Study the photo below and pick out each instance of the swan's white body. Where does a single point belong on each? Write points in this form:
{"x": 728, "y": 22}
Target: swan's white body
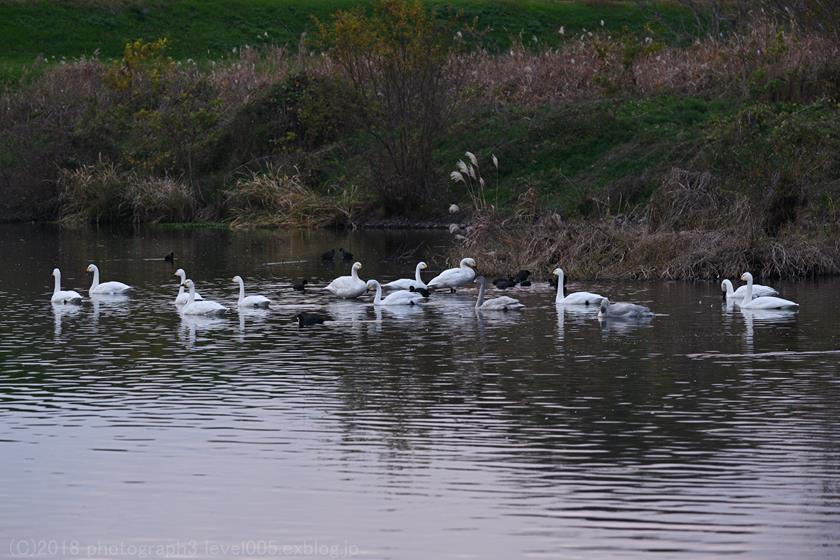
{"x": 401, "y": 297}
{"x": 455, "y": 277}
{"x": 501, "y": 303}
{"x": 183, "y": 297}
{"x": 407, "y": 283}
{"x": 622, "y": 310}
{"x": 250, "y": 301}
{"x": 741, "y": 292}
{"x": 105, "y": 287}
{"x": 203, "y": 307}
{"x": 763, "y": 302}
{"x": 575, "y": 298}
{"x": 348, "y": 287}
{"x": 63, "y": 296}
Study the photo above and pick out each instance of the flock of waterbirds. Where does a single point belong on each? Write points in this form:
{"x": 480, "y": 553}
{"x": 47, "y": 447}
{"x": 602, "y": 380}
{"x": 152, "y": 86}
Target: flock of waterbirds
{"x": 415, "y": 291}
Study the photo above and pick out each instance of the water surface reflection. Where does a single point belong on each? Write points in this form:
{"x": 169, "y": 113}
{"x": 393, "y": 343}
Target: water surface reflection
{"x": 430, "y": 432}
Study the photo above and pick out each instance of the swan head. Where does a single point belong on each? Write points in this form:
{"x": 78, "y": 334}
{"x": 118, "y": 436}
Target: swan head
{"x": 557, "y": 271}
{"x": 468, "y": 262}
{"x": 357, "y": 265}
{"x": 188, "y": 283}
{"x": 422, "y": 266}
{"x": 180, "y": 272}
{"x": 605, "y": 305}
{"x": 726, "y": 285}
{"x": 371, "y": 284}
{"x": 236, "y": 279}
{"x": 746, "y": 277}
{"x": 56, "y": 272}
{"x": 91, "y": 268}
{"x": 481, "y": 280}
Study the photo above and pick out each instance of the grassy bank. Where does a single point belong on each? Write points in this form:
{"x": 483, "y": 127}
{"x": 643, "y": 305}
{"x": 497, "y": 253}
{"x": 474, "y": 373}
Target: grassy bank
{"x": 206, "y": 30}
{"x": 620, "y": 152}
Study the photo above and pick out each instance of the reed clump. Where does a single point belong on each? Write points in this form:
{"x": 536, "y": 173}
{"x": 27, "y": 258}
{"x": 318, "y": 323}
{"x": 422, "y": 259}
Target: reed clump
{"x": 104, "y": 194}
{"x": 275, "y": 197}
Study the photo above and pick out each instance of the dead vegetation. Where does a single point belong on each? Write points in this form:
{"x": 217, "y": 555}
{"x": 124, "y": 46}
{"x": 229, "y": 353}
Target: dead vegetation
{"x": 690, "y": 231}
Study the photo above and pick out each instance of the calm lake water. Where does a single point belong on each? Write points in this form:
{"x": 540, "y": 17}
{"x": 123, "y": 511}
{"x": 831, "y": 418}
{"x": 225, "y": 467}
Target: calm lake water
{"x": 424, "y": 433}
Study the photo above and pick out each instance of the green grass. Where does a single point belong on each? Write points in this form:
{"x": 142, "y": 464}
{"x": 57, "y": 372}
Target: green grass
{"x": 203, "y": 29}
{"x": 574, "y": 152}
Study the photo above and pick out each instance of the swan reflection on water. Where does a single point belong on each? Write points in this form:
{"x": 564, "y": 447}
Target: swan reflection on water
{"x": 626, "y": 325}
{"x": 253, "y": 315}
{"x": 576, "y": 314}
{"x": 348, "y": 311}
{"x": 61, "y": 312}
{"x": 191, "y": 324}
{"x": 402, "y": 311}
{"x": 774, "y": 317}
{"x": 112, "y": 304}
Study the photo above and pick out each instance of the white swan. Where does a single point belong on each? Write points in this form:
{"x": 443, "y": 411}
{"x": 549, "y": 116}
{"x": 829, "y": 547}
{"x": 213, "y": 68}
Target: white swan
{"x": 455, "y": 277}
{"x": 183, "y": 297}
{"x": 407, "y": 283}
{"x": 758, "y": 291}
{"x": 63, "y": 296}
{"x": 348, "y": 287}
{"x": 203, "y": 307}
{"x": 249, "y": 301}
{"x": 763, "y": 302}
{"x": 575, "y": 298}
{"x": 501, "y": 303}
{"x": 105, "y": 287}
{"x": 622, "y": 310}
{"x": 401, "y": 297}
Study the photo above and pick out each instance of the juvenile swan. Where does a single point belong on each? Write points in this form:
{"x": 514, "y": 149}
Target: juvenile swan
{"x": 763, "y": 302}
{"x": 758, "y": 291}
{"x": 63, "y": 296}
{"x": 576, "y": 298}
{"x": 406, "y": 283}
{"x": 455, "y": 277}
{"x": 183, "y": 297}
{"x": 105, "y": 287}
{"x": 401, "y": 297}
{"x": 249, "y": 301}
{"x": 348, "y": 287}
{"x": 622, "y": 310}
{"x": 203, "y": 307}
{"x": 501, "y": 303}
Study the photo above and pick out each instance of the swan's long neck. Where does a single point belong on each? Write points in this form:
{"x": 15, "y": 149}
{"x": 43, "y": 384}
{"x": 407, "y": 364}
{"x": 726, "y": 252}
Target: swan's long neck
{"x": 192, "y": 293}
{"x": 480, "y": 299}
{"x": 417, "y": 275}
{"x": 241, "y": 290}
{"x": 354, "y": 273}
{"x": 183, "y": 277}
{"x": 561, "y": 292}
{"x": 57, "y": 285}
{"x": 95, "y": 282}
{"x": 748, "y": 296}
{"x": 377, "y": 299}
{"x": 727, "y": 286}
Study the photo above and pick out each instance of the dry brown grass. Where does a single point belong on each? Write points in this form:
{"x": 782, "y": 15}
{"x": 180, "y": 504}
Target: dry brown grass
{"x": 278, "y": 198}
{"x": 765, "y": 62}
{"x": 104, "y": 193}
{"x": 691, "y": 231}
